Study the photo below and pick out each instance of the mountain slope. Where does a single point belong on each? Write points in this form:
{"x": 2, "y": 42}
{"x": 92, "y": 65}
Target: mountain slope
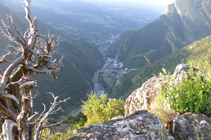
{"x": 197, "y": 53}
{"x": 182, "y": 23}
{"x": 75, "y": 79}
{"x": 4, "y": 11}
{"x": 82, "y": 20}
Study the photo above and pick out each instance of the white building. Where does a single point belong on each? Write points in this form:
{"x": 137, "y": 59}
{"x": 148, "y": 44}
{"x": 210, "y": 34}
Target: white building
{"x": 115, "y": 63}
{"x": 121, "y": 64}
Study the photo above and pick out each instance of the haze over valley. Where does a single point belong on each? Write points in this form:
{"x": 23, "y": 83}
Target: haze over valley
{"x": 118, "y": 69}
{"x": 109, "y": 44}
{"x": 98, "y": 23}
{"x": 86, "y": 30}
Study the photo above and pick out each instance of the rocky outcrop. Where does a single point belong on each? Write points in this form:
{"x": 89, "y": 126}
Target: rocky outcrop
{"x": 191, "y": 126}
{"x": 141, "y": 125}
{"x": 141, "y": 98}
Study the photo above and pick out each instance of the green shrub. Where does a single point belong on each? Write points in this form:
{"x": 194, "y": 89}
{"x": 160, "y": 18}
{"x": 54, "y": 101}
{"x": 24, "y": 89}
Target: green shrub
{"x": 191, "y": 94}
{"x": 78, "y": 118}
{"x": 62, "y": 136}
{"x": 98, "y": 110}
{"x": 52, "y": 120}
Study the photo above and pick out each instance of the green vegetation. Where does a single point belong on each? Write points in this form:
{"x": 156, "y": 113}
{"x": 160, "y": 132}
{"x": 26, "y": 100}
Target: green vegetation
{"x": 98, "y": 110}
{"x": 107, "y": 78}
{"x": 58, "y": 136}
{"x": 4, "y": 11}
{"x": 95, "y": 110}
{"x": 169, "y": 33}
{"x": 192, "y": 94}
{"x": 132, "y": 45}
{"x": 159, "y": 109}
{"x": 79, "y": 118}
{"x": 197, "y": 53}
{"x": 80, "y": 63}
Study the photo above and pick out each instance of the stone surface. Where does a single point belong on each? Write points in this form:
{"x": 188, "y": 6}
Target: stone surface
{"x": 141, "y": 98}
{"x": 191, "y": 126}
{"x": 142, "y": 125}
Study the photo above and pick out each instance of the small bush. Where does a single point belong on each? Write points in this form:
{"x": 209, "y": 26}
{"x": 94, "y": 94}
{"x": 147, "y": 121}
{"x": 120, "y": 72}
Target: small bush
{"x": 98, "y": 110}
{"x": 62, "y": 136}
{"x": 192, "y": 93}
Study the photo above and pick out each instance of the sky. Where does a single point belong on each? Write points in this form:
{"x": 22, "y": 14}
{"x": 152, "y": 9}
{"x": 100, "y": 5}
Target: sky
{"x": 163, "y": 2}
{"x": 166, "y": 2}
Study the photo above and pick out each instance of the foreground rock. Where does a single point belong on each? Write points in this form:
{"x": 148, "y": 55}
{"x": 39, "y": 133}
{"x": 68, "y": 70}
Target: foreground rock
{"x": 141, "y": 98}
{"x": 191, "y": 126}
{"x": 141, "y": 125}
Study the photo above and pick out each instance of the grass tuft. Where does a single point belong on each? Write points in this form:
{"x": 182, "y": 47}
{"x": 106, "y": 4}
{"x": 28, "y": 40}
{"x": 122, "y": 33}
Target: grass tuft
{"x": 159, "y": 108}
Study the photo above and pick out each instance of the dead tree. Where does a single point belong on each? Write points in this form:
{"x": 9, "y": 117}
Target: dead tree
{"x": 32, "y": 56}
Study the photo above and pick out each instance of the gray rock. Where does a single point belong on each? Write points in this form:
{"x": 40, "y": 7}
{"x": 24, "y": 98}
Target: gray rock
{"x": 191, "y": 126}
{"x": 141, "y": 125}
{"x": 141, "y": 98}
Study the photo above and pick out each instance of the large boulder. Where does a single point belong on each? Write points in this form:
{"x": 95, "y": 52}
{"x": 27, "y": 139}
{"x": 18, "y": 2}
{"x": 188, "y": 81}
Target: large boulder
{"x": 191, "y": 126}
{"x": 142, "y": 125}
{"x": 141, "y": 98}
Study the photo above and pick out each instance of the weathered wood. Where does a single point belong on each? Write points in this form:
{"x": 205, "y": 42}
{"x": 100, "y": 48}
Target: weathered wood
{"x": 8, "y": 128}
{"x": 16, "y": 99}
{"x": 40, "y": 126}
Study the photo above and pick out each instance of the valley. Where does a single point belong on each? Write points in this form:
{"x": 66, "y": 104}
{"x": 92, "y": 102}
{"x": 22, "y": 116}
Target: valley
{"x": 108, "y": 48}
{"x": 122, "y": 63}
{"x": 86, "y": 33}
{"x": 105, "y": 78}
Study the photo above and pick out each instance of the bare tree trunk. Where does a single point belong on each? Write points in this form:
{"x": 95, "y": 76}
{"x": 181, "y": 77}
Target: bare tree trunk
{"x": 8, "y": 128}
{"x": 16, "y": 100}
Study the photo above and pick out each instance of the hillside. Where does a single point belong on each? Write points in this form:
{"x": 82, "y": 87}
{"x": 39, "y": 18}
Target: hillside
{"x": 4, "y": 11}
{"x": 198, "y": 52}
{"x": 75, "y": 79}
{"x": 81, "y": 20}
{"x": 181, "y": 24}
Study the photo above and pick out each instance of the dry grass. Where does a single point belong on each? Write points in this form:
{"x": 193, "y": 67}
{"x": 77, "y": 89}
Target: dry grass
{"x": 160, "y": 109}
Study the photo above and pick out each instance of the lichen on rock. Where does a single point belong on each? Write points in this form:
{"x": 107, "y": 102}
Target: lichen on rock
{"x": 141, "y": 125}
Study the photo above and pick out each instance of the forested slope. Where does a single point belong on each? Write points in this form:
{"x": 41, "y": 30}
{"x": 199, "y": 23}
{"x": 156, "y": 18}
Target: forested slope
{"x": 181, "y": 24}
{"x": 80, "y": 63}
{"x": 197, "y": 53}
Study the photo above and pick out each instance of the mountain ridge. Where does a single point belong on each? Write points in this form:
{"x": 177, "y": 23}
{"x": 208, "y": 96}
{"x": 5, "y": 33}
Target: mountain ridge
{"x": 197, "y": 53}
{"x": 162, "y": 43}
{"x": 173, "y": 30}
{"x": 75, "y": 79}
